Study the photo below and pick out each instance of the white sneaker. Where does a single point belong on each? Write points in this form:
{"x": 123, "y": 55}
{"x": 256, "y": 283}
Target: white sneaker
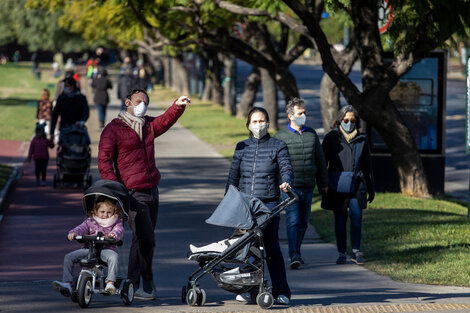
{"x": 244, "y": 297}
{"x": 283, "y": 300}
{"x": 64, "y": 288}
{"x": 110, "y": 289}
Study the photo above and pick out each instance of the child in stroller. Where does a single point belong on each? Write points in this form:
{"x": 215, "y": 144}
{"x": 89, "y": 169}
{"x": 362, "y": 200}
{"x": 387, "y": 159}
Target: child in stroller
{"x": 104, "y": 203}
{"x": 236, "y": 263}
{"x": 73, "y": 157}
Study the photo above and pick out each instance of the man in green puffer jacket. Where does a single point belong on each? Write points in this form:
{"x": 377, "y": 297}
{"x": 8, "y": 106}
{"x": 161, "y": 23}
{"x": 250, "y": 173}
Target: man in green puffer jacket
{"x": 309, "y": 165}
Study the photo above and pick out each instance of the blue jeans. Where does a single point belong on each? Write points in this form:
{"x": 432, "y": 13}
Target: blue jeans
{"x": 297, "y": 219}
{"x": 341, "y": 218}
{"x": 101, "y": 113}
{"x": 274, "y": 258}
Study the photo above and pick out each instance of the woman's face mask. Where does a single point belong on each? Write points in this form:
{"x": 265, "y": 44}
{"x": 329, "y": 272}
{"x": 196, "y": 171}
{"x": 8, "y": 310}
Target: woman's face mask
{"x": 259, "y": 130}
{"x": 140, "y": 109}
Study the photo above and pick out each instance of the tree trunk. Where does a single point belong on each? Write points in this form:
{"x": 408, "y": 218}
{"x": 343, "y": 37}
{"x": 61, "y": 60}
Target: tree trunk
{"x": 228, "y": 84}
{"x": 167, "y": 71}
{"x": 206, "y": 94}
{"x": 286, "y": 82}
{"x": 270, "y": 98}
{"x": 382, "y": 114}
{"x": 249, "y": 93}
{"x": 215, "y": 73}
{"x": 181, "y": 75}
{"x": 329, "y": 92}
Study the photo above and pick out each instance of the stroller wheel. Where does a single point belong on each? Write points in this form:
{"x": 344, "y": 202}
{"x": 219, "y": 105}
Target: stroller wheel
{"x": 127, "y": 292}
{"x": 191, "y": 297}
{"x": 201, "y": 298}
{"x": 183, "y": 294}
{"x": 265, "y": 300}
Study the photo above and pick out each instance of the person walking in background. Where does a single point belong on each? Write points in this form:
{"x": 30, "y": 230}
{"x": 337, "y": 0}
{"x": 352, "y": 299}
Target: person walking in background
{"x": 127, "y": 155}
{"x": 39, "y": 151}
{"x": 259, "y": 163}
{"x": 126, "y": 83}
{"x": 101, "y": 84}
{"x": 308, "y": 162}
{"x": 346, "y": 149}
{"x": 72, "y": 107}
{"x": 44, "y": 111}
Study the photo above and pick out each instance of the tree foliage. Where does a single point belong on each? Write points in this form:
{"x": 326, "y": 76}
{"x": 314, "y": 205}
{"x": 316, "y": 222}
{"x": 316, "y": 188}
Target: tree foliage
{"x": 37, "y": 28}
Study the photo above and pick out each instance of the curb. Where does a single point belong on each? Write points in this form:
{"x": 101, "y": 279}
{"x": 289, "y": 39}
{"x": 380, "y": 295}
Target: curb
{"x": 14, "y": 176}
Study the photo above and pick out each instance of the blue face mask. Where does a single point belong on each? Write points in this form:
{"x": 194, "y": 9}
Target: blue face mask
{"x": 348, "y": 127}
{"x": 300, "y": 121}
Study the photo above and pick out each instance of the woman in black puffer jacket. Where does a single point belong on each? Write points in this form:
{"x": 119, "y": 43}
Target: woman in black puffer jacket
{"x": 259, "y": 164}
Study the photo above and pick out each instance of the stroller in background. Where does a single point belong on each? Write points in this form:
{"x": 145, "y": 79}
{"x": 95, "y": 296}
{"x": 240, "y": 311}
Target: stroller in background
{"x": 91, "y": 279}
{"x": 73, "y": 158}
{"x": 240, "y": 267}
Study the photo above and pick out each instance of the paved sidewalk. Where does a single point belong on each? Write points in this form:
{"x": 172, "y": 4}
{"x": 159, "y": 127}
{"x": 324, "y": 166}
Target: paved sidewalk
{"x": 192, "y": 185}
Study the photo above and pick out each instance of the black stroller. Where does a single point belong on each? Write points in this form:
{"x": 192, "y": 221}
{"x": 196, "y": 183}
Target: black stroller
{"x": 91, "y": 279}
{"x": 73, "y": 158}
{"x": 240, "y": 267}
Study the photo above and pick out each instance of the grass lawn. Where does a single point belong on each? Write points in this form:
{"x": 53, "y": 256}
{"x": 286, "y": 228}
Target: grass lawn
{"x": 424, "y": 241}
{"x": 19, "y": 93}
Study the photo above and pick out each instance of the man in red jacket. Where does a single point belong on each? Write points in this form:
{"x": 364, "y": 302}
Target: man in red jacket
{"x": 126, "y": 155}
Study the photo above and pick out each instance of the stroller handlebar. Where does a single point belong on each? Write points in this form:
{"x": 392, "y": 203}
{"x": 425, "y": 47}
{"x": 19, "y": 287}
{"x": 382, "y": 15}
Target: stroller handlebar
{"x": 291, "y": 194}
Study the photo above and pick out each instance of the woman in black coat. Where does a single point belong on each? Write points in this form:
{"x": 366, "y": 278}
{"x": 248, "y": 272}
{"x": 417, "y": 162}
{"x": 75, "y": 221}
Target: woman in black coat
{"x": 101, "y": 84}
{"x": 340, "y": 147}
{"x": 258, "y": 165}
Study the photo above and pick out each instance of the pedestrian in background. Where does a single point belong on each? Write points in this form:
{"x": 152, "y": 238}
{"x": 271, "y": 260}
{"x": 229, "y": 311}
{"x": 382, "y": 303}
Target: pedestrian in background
{"x": 101, "y": 84}
{"x": 259, "y": 163}
{"x": 71, "y": 107}
{"x": 346, "y": 149}
{"x": 126, "y": 83}
{"x": 308, "y": 162}
{"x": 39, "y": 151}
{"x": 44, "y": 111}
{"x": 127, "y": 155}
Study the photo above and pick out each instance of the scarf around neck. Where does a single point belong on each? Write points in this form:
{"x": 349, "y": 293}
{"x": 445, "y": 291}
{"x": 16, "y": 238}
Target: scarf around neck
{"x": 106, "y": 222}
{"x": 134, "y": 122}
{"x": 349, "y": 136}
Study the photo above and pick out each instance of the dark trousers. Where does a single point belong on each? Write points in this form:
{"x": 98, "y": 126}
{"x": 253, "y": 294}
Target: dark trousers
{"x": 341, "y": 219}
{"x": 274, "y": 258}
{"x": 40, "y": 167}
{"x": 142, "y": 221}
{"x": 101, "y": 108}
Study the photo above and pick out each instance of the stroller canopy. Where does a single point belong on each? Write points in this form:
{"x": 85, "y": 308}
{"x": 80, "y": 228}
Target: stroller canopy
{"x": 237, "y": 210}
{"x": 110, "y": 189}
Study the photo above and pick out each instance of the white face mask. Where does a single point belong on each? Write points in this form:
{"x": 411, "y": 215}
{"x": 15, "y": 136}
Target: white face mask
{"x": 140, "y": 109}
{"x": 300, "y": 121}
{"x": 259, "y": 130}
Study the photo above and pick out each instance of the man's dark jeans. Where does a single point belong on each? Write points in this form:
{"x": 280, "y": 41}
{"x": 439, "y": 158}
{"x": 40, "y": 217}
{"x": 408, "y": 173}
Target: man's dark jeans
{"x": 274, "y": 258}
{"x": 142, "y": 221}
{"x": 297, "y": 216}
{"x": 341, "y": 218}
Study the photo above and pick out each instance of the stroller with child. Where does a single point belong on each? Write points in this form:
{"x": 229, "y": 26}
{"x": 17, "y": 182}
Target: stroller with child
{"x": 239, "y": 266}
{"x": 73, "y": 158}
{"x": 91, "y": 279}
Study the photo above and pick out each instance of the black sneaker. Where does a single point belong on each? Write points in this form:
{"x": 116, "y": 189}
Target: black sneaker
{"x": 358, "y": 258}
{"x": 295, "y": 263}
{"x": 341, "y": 258}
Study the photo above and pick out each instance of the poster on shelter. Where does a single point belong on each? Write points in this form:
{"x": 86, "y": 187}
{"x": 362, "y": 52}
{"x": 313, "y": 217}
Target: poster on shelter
{"x": 417, "y": 96}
